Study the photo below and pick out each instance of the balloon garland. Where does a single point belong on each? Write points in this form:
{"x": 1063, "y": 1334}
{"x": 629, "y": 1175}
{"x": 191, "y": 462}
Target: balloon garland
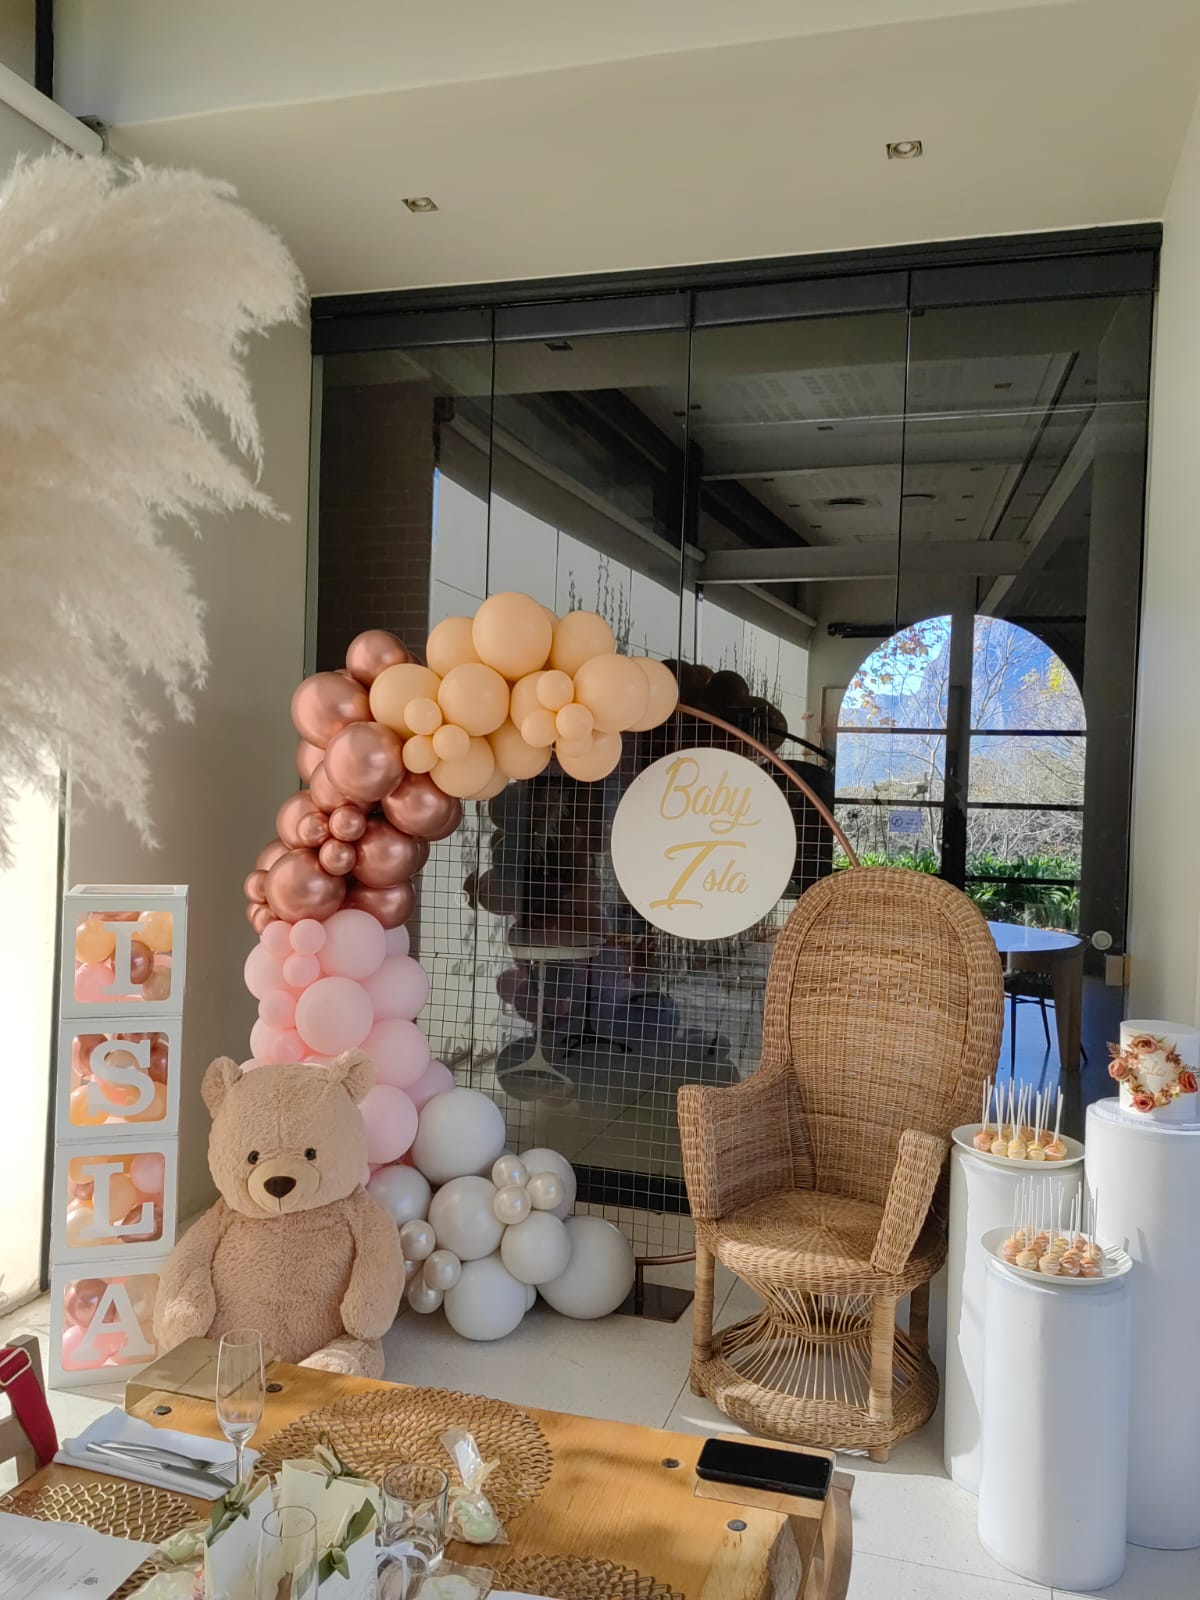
{"x": 389, "y": 750}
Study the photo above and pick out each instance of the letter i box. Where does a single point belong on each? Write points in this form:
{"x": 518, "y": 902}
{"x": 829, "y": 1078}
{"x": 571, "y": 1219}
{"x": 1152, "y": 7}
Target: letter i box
{"x": 112, "y": 1215}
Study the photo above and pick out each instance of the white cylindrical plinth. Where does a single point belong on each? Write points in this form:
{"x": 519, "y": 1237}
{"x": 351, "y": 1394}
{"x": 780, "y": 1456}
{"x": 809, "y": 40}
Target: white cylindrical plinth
{"x": 1052, "y": 1482}
{"x": 981, "y": 1198}
{"x": 1145, "y": 1175}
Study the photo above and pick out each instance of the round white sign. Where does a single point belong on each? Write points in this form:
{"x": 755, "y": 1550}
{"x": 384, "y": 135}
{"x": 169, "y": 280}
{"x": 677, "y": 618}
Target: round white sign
{"x": 703, "y": 843}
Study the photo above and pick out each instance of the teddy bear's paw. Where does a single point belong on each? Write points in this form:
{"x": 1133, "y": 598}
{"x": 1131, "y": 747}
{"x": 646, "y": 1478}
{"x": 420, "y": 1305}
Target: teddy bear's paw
{"x": 357, "y": 1358}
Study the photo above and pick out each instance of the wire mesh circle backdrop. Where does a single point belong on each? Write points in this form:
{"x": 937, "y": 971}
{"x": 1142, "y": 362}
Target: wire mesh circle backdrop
{"x": 553, "y": 995}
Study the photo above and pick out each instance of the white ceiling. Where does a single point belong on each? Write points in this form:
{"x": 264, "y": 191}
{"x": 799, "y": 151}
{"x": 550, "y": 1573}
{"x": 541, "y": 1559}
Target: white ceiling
{"x": 563, "y": 139}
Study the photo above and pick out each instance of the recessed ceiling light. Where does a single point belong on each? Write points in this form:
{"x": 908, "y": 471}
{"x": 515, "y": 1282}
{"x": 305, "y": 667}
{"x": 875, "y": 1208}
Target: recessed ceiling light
{"x": 840, "y": 500}
{"x": 420, "y": 202}
{"x": 905, "y": 149}
{"x": 1002, "y": 386}
{"x": 917, "y": 494}
{"x": 824, "y": 427}
{"x": 559, "y": 344}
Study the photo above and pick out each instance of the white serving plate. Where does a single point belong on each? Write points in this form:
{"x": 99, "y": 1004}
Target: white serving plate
{"x": 963, "y": 1136}
{"x": 1116, "y": 1262}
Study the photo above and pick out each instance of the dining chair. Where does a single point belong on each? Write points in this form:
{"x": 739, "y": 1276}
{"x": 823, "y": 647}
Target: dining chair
{"x": 813, "y": 1179}
{"x": 15, "y": 1444}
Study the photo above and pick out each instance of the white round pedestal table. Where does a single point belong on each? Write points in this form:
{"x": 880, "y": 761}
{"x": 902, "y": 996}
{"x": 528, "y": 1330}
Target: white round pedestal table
{"x": 1145, "y": 1175}
{"x": 1054, "y": 1456}
{"x": 981, "y": 1198}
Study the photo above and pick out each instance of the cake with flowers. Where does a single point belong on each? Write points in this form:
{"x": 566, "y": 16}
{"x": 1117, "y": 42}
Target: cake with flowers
{"x": 1155, "y": 1070}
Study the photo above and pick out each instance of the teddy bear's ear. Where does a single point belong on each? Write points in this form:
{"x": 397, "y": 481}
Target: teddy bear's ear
{"x": 221, "y": 1076}
{"x": 354, "y": 1071}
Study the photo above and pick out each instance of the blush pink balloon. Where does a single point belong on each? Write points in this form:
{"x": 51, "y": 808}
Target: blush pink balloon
{"x": 389, "y": 907}
{"x": 333, "y": 1014}
{"x": 270, "y": 854}
{"x": 146, "y": 1174}
{"x": 391, "y": 1123}
{"x": 300, "y": 971}
{"x": 307, "y": 757}
{"x": 325, "y": 704}
{"x": 337, "y": 857}
{"x": 72, "y": 1338}
{"x": 325, "y": 794}
{"x": 291, "y": 814}
{"x": 435, "y": 1080}
{"x": 278, "y": 1009}
{"x": 298, "y": 887}
{"x": 418, "y": 806}
{"x": 354, "y": 945}
{"x": 277, "y": 941}
{"x": 363, "y": 762}
{"x": 347, "y": 823}
{"x": 399, "y": 989}
{"x": 372, "y": 651}
{"x": 290, "y": 1047}
{"x": 399, "y": 1050}
{"x": 396, "y": 941}
{"x": 264, "y": 1041}
{"x": 386, "y": 857}
{"x": 307, "y": 936}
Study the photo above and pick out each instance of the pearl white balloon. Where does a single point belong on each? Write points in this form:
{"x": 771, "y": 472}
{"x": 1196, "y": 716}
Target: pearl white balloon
{"x": 546, "y": 1192}
{"x": 599, "y": 1274}
{"x": 511, "y": 1204}
{"x": 462, "y": 1217}
{"x": 487, "y": 1302}
{"x": 458, "y": 1133}
{"x": 538, "y": 1250}
{"x": 411, "y": 1268}
{"x": 508, "y": 1170}
{"x": 423, "y": 1298}
{"x": 541, "y": 1160}
{"x": 442, "y": 1270}
{"x": 403, "y": 1192}
{"x": 417, "y": 1240}
{"x": 530, "y": 1297}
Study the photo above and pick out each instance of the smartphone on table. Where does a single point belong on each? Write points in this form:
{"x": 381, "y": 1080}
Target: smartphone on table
{"x": 759, "y": 1466}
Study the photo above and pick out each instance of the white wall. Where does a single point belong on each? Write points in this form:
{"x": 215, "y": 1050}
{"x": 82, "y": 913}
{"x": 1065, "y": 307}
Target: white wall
{"x": 218, "y": 780}
{"x": 1164, "y": 938}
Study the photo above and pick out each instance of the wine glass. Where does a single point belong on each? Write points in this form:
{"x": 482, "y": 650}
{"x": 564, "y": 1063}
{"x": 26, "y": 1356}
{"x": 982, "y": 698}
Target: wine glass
{"x": 287, "y": 1555}
{"x": 241, "y": 1389}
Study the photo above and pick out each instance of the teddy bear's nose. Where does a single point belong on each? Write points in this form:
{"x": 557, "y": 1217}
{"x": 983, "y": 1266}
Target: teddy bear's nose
{"x": 278, "y": 1187}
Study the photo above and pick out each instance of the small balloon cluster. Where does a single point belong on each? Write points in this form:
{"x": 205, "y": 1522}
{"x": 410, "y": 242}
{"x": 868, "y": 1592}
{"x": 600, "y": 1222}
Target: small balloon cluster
{"x": 118, "y": 1100}
{"x": 149, "y": 960}
{"x": 484, "y": 1247}
{"x": 81, "y": 1301}
{"x": 325, "y": 987}
{"x": 133, "y": 1183}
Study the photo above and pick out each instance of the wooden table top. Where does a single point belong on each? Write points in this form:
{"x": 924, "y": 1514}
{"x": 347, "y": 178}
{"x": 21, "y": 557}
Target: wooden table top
{"x": 610, "y": 1496}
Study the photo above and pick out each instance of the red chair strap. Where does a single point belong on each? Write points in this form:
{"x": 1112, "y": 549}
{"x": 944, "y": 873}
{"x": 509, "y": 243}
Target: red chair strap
{"x": 28, "y": 1399}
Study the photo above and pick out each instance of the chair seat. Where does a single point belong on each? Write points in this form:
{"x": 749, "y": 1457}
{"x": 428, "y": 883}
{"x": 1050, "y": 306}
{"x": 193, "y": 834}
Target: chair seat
{"x": 804, "y": 1239}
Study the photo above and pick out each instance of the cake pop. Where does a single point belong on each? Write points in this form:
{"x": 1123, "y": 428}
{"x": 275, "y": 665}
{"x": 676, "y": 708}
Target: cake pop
{"x": 983, "y": 1139}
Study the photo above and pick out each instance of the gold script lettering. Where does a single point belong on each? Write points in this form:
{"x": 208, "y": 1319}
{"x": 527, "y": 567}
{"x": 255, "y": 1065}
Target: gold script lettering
{"x": 701, "y": 850}
{"x": 726, "y": 807}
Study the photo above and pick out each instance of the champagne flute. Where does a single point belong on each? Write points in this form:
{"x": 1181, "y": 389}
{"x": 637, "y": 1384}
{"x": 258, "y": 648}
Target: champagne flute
{"x": 241, "y": 1389}
{"x": 287, "y": 1555}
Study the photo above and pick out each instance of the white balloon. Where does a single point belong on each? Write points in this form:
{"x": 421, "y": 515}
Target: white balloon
{"x": 599, "y": 1274}
{"x": 508, "y": 1170}
{"x": 511, "y": 1204}
{"x": 459, "y": 1133}
{"x": 411, "y": 1268}
{"x": 530, "y": 1297}
{"x": 403, "y": 1192}
{"x": 417, "y": 1239}
{"x": 538, "y": 1250}
{"x": 541, "y": 1160}
{"x": 546, "y": 1192}
{"x": 462, "y": 1217}
{"x": 442, "y": 1270}
{"x": 487, "y": 1302}
{"x": 423, "y": 1298}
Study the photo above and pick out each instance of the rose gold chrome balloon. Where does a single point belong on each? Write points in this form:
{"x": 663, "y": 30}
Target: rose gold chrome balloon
{"x": 307, "y": 756}
{"x": 347, "y": 822}
{"x": 259, "y": 917}
{"x": 289, "y": 816}
{"x": 363, "y": 762}
{"x": 324, "y": 794}
{"x": 270, "y": 854}
{"x": 337, "y": 857}
{"x": 141, "y": 961}
{"x": 313, "y": 829}
{"x": 298, "y": 887}
{"x": 325, "y": 704}
{"x": 371, "y": 652}
{"x": 418, "y": 806}
{"x": 391, "y": 907}
{"x": 255, "y": 886}
{"x": 386, "y": 857}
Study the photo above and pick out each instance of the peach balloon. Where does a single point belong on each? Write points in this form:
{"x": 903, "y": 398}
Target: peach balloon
{"x": 154, "y": 1112}
{"x": 514, "y": 756}
{"x": 122, "y": 1196}
{"x": 419, "y": 754}
{"x": 471, "y": 772}
{"x": 324, "y": 791}
{"x": 450, "y": 742}
{"x": 156, "y": 930}
{"x": 395, "y": 687}
{"x": 325, "y": 704}
{"x": 363, "y": 761}
{"x": 554, "y": 690}
{"x": 79, "y": 1217}
{"x": 81, "y": 1117}
{"x": 578, "y": 637}
{"x": 591, "y": 760}
{"x": 450, "y": 645}
{"x": 347, "y": 822}
{"x": 512, "y": 633}
{"x": 94, "y": 941}
{"x": 524, "y": 697}
{"x": 475, "y": 697}
{"x": 498, "y": 781}
{"x": 371, "y": 652}
{"x": 391, "y": 908}
{"x": 614, "y": 689}
{"x": 337, "y": 856}
{"x": 419, "y": 807}
{"x": 574, "y": 722}
{"x": 538, "y": 729}
{"x": 423, "y": 715}
{"x": 307, "y": 756}
{"x": 664, "y": 694}
{"x": 158, "y": 985}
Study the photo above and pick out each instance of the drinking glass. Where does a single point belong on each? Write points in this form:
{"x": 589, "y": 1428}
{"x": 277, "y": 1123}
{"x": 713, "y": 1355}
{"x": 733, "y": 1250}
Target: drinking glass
{"x": 241, "y": 1389}
{"x": 413, "y": 1526}
{"x": 287, "y": 1555}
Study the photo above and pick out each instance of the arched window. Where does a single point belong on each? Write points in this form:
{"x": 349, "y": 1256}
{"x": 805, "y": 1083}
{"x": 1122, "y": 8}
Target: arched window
{"x": 1008, "y": 824}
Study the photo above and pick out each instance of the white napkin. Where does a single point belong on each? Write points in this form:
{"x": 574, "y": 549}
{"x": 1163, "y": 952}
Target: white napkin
{"x": 116, "y": 1426}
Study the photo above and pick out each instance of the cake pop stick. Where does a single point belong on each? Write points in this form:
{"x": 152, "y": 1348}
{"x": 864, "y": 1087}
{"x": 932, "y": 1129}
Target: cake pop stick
{"x": 1017, "y": 1146}
{"x": 1056, "y": 1149}
{"x": 1036, "y": 1150}
{"x": 999, "y": 1145}
{"x": 1011, "y": 1248}
{"x": 983, "y": 1139}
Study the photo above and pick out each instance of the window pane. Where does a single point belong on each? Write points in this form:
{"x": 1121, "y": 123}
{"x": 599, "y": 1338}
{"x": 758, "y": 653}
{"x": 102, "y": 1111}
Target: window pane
{"x": 902, "y": 684}
{"x": 1018, "y": 681}
{"x": 1011, "y": 843}
{"x": 891, "y": 766}
{"x": 1041, "y": 771}
{"x": 898, "y": 836}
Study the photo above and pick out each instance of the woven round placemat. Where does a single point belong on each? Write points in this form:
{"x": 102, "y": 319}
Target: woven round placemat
{"x": 369, "y": 1431}
{"x": 572, "y": 1578}
{"x": 110, "y": 1505}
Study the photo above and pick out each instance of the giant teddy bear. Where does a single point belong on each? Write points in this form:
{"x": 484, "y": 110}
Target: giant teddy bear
{"x": 294, "y": 1246}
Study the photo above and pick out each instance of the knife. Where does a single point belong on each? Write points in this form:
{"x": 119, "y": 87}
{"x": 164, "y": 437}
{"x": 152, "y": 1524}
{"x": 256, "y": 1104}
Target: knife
{"x": 115, "y": 1452}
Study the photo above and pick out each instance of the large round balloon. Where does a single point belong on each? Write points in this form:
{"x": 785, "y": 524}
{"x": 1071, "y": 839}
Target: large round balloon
{"x": 400, "y": 988}
{"x": 590, "y": 759}
{"x": 386, "y": 856}
{"x": 399, "y": 1050}
{"x": 419, "y": 807}
{"x": 390, "y": 907}
{"x": 515, "y": 758}
{"x": 461, "y": 1215}
{"x": 371, "y": 652}
{"x": 332, "y": 1015}
{"x": 460, "y": 1133}
{"x": 462, "y": 777}
{"x": 389, "y": 1117}
{"x": 353, "y": 946}
{"x": 363, "y": 762}
{"x": 599, "y": 1274}
{"x": 402, "y": 1192}
{"x": 449, "y": 645}
{"x": 536, "y": 1250}
{"x": 664, "y": 694}
{"x": 512, "y": 633}
{"x": 542, "y": 1160}
{"x": 487, "y": 1302}
{"x": 298, "y": 886}
{"x": 475, "y": 697}
{"x": 325, "y": 704}
{"x": 614, "y": 689}
{"x": 395, "y": 687}
{"x": 578, "y": 637}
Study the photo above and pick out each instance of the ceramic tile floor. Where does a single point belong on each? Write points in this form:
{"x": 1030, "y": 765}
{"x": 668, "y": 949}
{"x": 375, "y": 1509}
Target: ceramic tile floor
{"x": 914, "y": 1531}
